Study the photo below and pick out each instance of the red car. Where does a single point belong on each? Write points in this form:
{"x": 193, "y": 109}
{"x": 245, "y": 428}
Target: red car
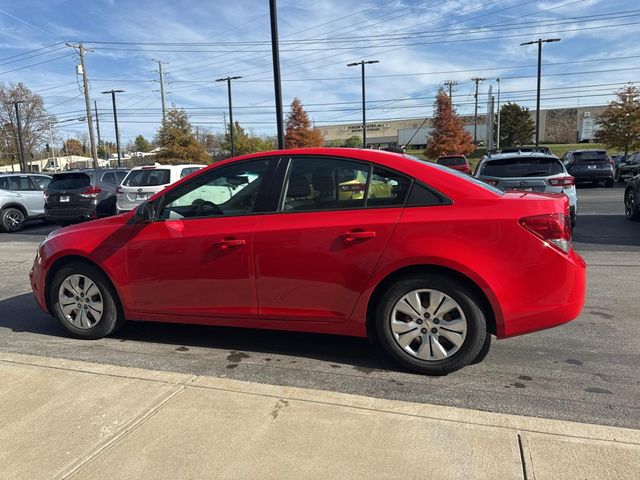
{"x": 423, "y": 259}
{"x": 456, "y": 162}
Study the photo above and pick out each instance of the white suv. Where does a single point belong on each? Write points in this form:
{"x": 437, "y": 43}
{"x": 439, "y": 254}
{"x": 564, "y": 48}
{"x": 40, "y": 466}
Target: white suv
{"x": 144, "y": 182}
{"x": 21, "y": 198}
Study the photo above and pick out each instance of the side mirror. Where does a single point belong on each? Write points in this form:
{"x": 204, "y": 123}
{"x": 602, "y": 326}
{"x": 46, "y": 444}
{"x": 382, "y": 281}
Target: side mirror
{"x": 145, "y": 213}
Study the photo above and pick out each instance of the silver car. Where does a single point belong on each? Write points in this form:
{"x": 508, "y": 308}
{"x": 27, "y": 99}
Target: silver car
{"x": 21, "y": 199}
{"x": 529, "y": 171}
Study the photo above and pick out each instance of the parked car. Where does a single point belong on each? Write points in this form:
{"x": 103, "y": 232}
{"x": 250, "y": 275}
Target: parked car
{"x": 530, "y": 172}
{"x": 456, "y": 162}
{"x": 521, "y": 149}
{"x": 628, "y": 168}
{"x": 79, "y": 195}
{"x": 430, "y": 270}
{"x": 632, "y": 199}
{"x": 21, "y": 199}
{"x": 143, "y": 182}
{"x": 618, "y": 159}
{"x": 589, "y": 166}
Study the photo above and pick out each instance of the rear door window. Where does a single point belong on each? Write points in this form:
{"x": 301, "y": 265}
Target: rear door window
{"x": 40, "y": 181}
{"x": 522, "y": 167}
{"x": 69, "y": 181}
{"x": 148, "y": 178}
{"x": 387, "y": 188}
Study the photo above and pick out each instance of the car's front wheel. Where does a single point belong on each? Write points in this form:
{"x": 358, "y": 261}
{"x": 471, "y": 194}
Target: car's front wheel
{"x": 85, "y": 302}
{"x": 12, "y": 219}
{"x": 431, "y": 324}
{"x": 631, "y": 205}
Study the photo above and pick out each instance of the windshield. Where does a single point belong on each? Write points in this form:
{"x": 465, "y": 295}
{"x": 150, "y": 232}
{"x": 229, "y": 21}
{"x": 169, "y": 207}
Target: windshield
{"x": 522, "y": 167}
{"x": 147, "y": 178}
{"x": 463, "y": 176}
{"x": 452, "y": 161}
{"x": 69, "y": 181}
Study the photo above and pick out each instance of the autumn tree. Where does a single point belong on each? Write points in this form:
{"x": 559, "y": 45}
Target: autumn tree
{"x": 245, "y": 143}
{"x": 619, "y": 124}
{"x": 141, "y": 144}
{"x": 299, "y": 132}
{"x": 37, "y": 123}
{"x": 448, "y": 136}
{"x": 72, "y": 146}
{"x": 177, "y": 142}
{"x": 516, "y": 125}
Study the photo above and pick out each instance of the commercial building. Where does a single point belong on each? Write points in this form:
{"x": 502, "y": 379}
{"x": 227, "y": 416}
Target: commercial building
{"x": 557, "y": 125}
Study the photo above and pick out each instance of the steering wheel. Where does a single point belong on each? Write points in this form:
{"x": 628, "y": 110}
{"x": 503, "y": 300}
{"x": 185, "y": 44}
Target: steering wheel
{"x": 202, "y": 208}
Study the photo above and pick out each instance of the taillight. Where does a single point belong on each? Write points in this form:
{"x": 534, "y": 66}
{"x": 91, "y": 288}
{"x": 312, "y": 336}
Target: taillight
{"x": 354, "y": 187}
{"x": 554, "y": 228}
{"x": 564, "y": 182}
{"x": 91, "y": 192}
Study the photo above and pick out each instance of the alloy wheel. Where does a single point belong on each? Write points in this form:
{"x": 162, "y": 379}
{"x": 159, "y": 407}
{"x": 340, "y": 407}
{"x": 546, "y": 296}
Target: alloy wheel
{"x": 428, "y": 325}
{"x": 630, "y": 204}
{"x": 80, "y": 301}
{"x": 14, "y": 219}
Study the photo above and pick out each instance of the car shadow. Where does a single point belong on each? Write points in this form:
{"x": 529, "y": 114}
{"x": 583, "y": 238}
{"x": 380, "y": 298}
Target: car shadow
{"x": 22, "y": 314}
{"x": 610, "y": 230}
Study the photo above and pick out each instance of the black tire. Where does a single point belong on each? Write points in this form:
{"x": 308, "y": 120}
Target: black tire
{"x": 476, "y": 324}
{"x": 12, "y": 219}
{"x": 484, "y": 351}
{"x": 631, "y": 205}
{"x": 112, "y": 317}
{"x": 608, "y": 183}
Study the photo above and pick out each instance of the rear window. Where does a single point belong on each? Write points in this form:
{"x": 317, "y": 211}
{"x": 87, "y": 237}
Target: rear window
{"x": 188, "y": 171}
{"x": 451, "y": 161}
{"x": 590, "y": 157}
{"x": 69, "y": 181}
{"x": 148, "y": 178}
{"x": 522, "y": 167}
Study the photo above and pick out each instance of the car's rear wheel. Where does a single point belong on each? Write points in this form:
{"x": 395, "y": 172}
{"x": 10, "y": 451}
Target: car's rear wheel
{"x": 12, "y": 219}
{"x": 431, "y": 324}
{"x": 85, "y": 302}
{"x": 631, "y": 205}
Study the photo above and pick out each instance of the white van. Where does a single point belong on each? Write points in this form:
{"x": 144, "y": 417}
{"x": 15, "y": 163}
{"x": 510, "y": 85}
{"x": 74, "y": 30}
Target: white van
{"x": 144, "y": 182}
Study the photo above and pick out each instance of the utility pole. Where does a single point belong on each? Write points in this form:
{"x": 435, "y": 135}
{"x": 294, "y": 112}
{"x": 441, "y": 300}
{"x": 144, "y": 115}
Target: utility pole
{"x": 228, "y": 80}
{"x": 450, "y": 84}
{"x": 115, "y": 120}
{"x": 277, "y": 85}
{"x": 498, "y": 121}
{"x": 477, "y": 81}
{"x": 87, "y": 100}
{"x": 362, "y": 63}
{"x": 95, "y": 109}
{"x": 23, "y": 163}
{"x": 164, "y": 108}
{"x": 540, "y": 41}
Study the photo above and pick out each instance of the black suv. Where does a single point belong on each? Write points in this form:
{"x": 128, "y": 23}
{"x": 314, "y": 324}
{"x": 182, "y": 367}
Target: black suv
{"x": 593, "y": 166}
{"x": 628, "y": 168}
{"x": 631, "y": 199}
{"x": 79, "y": 195}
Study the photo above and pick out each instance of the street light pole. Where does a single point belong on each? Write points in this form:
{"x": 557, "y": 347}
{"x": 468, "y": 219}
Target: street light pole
{"x": 477, "y": 81}
{"x": 23, "y": 164}
{"x": 228, "y": 80}
{"x": 362, "y": 63}
{"x": 115, "y": 120}
{"x": 277, "y": 85}
{"x": 540, "y": 41}
{"x": 498, "y": 127}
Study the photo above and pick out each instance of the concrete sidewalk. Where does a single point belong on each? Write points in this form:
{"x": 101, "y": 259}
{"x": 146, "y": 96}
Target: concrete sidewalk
{"x": 67, "y": 419}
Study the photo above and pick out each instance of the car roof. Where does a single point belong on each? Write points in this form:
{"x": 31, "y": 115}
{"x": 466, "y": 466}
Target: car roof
{"x": 13, "y": 174}
{"x": 181, "y": 165}
{"x": 595, "y": 150}
{"x": 502, "y": 156}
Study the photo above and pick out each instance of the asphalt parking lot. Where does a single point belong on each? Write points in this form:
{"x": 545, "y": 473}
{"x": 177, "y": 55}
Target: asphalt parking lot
{"x": 586, "y": 371}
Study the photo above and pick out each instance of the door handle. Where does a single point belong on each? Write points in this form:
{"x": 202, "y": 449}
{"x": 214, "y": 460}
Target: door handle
{"x": 358, "y": 235}
{"x": 230, "y": 243}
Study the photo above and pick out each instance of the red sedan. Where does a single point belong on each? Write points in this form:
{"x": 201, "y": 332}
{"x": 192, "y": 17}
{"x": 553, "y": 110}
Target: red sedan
{"x": 423, "y": 259}
{"x": 456, "y": 162}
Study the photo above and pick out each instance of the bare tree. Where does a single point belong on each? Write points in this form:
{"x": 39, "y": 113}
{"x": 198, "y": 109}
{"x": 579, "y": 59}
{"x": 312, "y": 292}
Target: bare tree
{"x": 37, "y": 123}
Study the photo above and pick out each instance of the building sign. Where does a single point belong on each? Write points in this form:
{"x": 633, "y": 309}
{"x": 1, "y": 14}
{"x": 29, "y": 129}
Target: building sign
{"x": 371, "y": 127}
{"x": 588, "y": 128}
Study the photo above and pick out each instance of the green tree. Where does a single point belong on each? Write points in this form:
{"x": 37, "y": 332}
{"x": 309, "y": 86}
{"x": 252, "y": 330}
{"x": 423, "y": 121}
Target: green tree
{"x": 72, "y": 147}
{"x": 245, "y": 143}
{"x": 141, "y": 144}
{"x": 299, "y": 132}
{"x": 353, "y": 142}
{"x": 177, "y": 141}
{"x": 448, "y": 136}
{"x": 619, "y": 124}
{"x": 516, "y": 125}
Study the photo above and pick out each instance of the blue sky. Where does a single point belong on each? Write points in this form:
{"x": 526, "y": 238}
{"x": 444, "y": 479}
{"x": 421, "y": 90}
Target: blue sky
{"x": 419, "y": 44}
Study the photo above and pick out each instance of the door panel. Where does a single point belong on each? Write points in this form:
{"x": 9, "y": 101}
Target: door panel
{"x": 182, "y": 267}
{"x": 309, "y": 267}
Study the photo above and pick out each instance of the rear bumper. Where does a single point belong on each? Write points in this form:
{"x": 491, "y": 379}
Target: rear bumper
{"x": 71, "y": 214}
{"x": 558, "y": 307}
{"x": 592, "y": 176}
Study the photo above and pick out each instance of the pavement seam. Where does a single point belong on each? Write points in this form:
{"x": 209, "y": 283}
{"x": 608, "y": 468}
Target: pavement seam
{"x": 136, "y": 422}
